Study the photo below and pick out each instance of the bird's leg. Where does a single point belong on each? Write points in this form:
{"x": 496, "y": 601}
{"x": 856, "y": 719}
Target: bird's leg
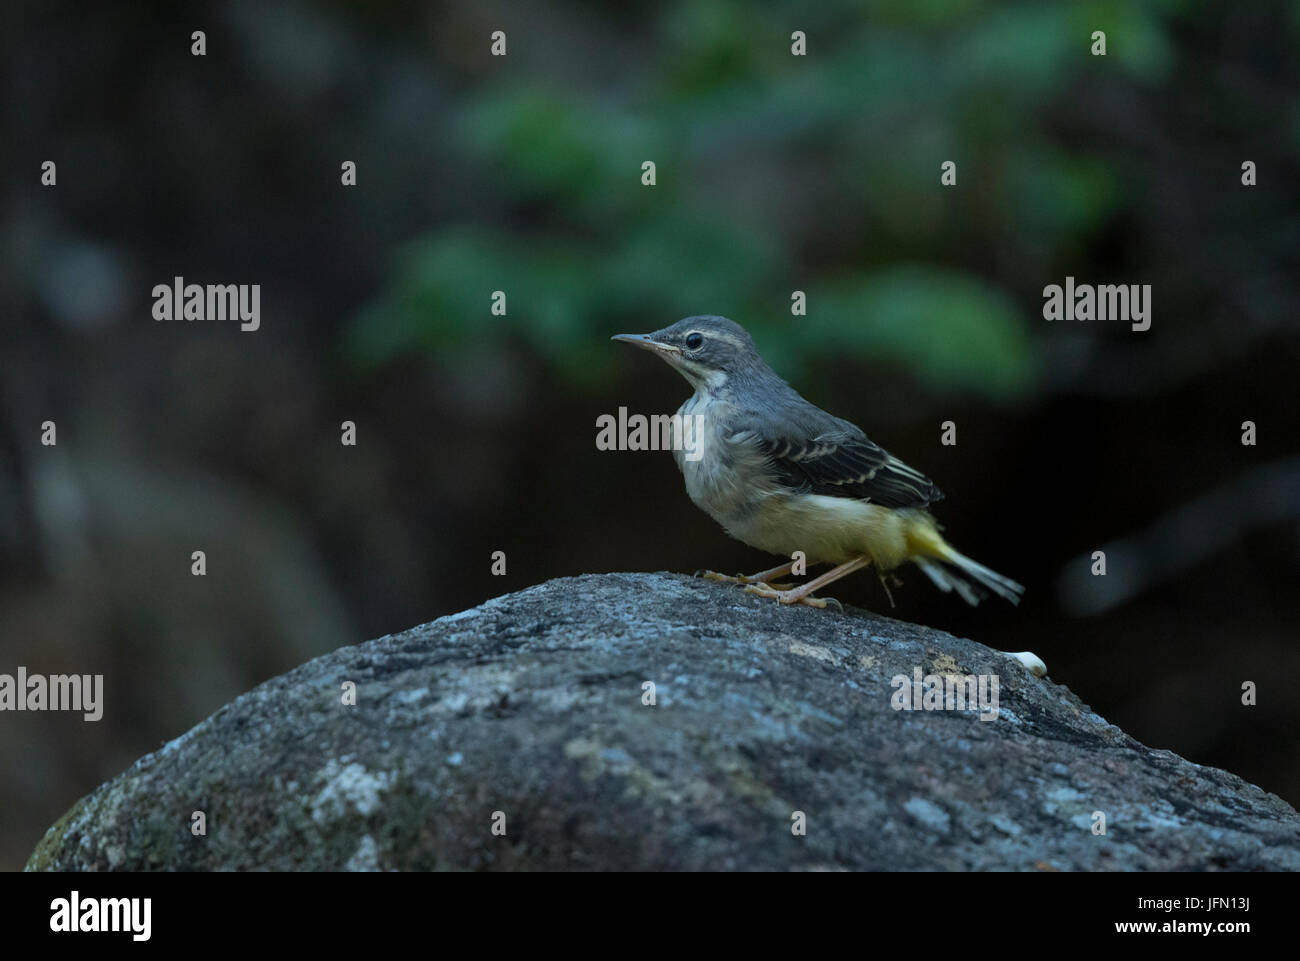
{"x": 885, "y": 585}
{"x": 800, "y": 595}
{"x": 762, "y": 577}
{"x": 766, "y": 577}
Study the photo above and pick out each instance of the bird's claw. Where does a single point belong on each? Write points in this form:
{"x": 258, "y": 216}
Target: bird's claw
{"x": 789, "y": 596}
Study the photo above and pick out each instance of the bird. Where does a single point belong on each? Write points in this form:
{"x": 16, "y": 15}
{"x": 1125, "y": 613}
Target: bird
{"x": 784, "y": 476}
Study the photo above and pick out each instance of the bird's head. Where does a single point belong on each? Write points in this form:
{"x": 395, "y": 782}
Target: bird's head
{"x": 705, "y": 350}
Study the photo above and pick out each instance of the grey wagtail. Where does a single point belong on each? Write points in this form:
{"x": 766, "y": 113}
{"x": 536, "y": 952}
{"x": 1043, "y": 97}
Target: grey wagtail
{"x": 782, "y": 475}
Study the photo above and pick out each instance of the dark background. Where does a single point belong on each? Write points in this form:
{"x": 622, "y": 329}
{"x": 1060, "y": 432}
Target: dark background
{"x": 476, "y": 433}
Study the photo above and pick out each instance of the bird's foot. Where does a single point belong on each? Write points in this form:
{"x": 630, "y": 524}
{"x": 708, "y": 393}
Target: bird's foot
{"x": 725, "y": 578}
{"x": 741, "y": 579}
{"x": 790, "y": 596}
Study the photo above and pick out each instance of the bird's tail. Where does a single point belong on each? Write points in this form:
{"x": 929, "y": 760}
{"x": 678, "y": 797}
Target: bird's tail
{"x": 928, "y": 545}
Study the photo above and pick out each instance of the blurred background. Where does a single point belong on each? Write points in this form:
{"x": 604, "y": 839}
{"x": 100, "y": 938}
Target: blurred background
{"x": 476, "y": 432}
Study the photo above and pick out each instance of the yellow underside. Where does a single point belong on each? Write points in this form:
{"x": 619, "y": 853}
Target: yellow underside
{"x": 837, "y": 529}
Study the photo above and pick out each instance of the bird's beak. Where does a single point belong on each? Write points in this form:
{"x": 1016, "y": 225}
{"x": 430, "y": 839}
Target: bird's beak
{"x": 645, "y": 342}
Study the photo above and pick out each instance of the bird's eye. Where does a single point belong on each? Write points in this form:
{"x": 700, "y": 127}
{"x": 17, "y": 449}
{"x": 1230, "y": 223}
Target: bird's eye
{"x": 694, "y": 341}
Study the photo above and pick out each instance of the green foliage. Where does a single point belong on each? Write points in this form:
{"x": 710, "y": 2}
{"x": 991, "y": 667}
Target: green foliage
{"x": 778, "y": 173}
{"x": 956, "y": 333}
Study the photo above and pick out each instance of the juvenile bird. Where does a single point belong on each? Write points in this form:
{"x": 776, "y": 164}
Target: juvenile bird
{"x": 782, "y": 475}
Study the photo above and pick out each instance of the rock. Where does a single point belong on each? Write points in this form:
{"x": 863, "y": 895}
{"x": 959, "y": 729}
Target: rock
{"x": 531, "y": 705}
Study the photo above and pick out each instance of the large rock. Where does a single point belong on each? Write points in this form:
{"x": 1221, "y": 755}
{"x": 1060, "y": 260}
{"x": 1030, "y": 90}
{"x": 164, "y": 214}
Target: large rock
{"x": 532, "y": 705}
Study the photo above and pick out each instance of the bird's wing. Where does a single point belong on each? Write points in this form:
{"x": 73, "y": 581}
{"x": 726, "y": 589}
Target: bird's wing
{"x": 841, "y": 462}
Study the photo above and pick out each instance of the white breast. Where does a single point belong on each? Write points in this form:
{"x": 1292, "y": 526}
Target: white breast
{"x": 714, "y": 469}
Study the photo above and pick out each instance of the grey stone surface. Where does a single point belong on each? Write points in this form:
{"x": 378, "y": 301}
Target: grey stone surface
{"x": 531, "y": 705}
